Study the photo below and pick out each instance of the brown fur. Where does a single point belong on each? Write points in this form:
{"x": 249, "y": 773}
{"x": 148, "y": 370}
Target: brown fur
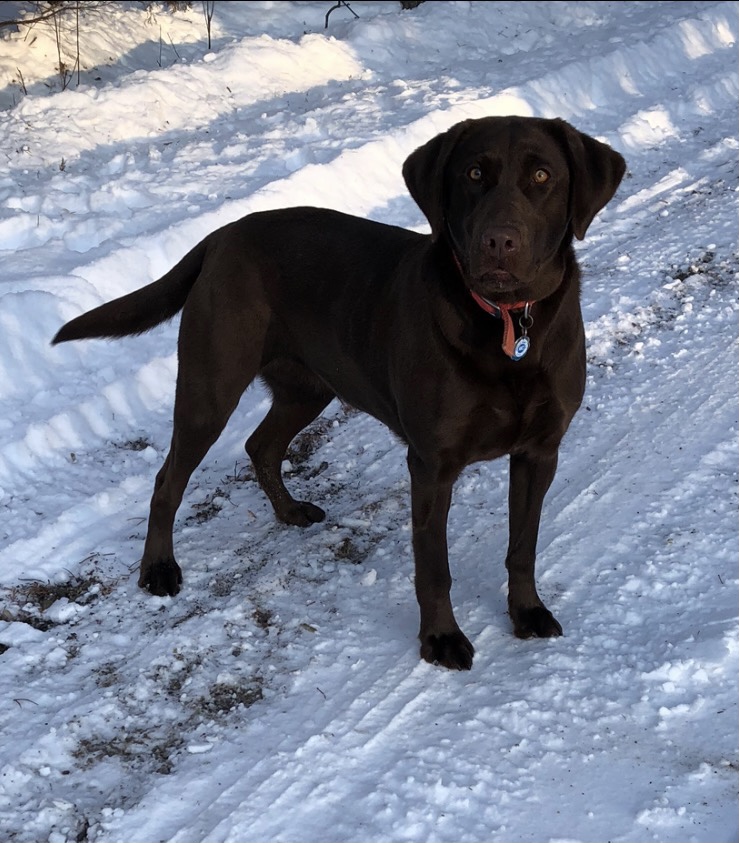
{"x": 320, "y": 304}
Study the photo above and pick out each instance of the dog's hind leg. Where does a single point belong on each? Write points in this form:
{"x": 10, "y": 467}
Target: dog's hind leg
{"x": 215, "y": 367}
{"x": 293, "y": 408}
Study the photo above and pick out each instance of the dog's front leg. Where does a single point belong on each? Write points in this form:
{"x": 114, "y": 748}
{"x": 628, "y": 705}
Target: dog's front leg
{"x": 442, "y": 641}
{"x": 530, "y": 478}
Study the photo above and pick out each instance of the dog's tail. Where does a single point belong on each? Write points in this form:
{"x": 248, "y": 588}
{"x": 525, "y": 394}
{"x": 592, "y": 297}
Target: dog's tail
{"x": 142, "y": 309}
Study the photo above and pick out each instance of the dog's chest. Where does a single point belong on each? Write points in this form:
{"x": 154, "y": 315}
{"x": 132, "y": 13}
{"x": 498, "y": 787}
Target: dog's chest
{"x": 522, "y": 415}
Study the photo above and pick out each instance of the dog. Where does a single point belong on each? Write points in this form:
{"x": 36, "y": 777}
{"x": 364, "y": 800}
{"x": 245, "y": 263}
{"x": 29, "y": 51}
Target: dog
{"x": 468, "y": 342}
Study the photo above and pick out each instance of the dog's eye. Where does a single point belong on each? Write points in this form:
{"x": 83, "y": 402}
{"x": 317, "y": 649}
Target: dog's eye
{"x": 474, "y": 174}
{"x": 541, "y": 176}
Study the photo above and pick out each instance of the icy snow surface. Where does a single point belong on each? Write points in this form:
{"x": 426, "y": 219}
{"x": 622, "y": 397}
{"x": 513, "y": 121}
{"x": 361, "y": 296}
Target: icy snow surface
{"x": 280, "y": 696}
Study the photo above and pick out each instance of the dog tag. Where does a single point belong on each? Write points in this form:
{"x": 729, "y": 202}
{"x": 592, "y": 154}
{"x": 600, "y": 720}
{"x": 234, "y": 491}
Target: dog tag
{"x": 520, "y": 348}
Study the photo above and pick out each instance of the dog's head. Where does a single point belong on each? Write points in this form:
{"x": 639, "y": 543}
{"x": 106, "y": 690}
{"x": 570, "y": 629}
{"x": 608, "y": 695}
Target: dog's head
{"x": 508, "y": 194}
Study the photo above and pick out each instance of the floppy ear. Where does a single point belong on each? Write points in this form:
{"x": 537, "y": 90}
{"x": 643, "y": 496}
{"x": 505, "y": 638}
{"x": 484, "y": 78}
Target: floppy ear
{"x": 423, "y": 172}
{"x": 596, "y": 172}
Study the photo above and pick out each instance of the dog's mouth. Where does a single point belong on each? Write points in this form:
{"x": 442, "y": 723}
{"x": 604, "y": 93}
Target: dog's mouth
{"x": 495, "y": 283}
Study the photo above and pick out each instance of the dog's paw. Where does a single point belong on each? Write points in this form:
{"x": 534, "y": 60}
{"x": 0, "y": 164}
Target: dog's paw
{"x": 162, "y": 578}
{"x": 301, "y": 514}
{"x": 451, "y": 650}
{"x": 535, "y": 622}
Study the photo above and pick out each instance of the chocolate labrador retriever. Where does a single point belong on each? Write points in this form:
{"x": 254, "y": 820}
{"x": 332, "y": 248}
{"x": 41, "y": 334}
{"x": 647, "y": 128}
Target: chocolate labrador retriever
{"x": 468, "y": 343}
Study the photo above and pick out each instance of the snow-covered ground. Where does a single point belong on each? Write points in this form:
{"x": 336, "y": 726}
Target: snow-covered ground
{"x": 280, "y": 696}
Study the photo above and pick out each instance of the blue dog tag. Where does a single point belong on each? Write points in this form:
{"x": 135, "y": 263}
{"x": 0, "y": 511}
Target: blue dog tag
{"x": 520, "y": 348}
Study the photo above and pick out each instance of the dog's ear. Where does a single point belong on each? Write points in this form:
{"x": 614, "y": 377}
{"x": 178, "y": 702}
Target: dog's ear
{"x": 423, "y": 172}
{"x": 596, "y": 172}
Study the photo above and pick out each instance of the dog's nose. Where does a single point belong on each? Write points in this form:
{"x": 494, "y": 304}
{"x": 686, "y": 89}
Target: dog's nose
{"x": 503, "y": 241}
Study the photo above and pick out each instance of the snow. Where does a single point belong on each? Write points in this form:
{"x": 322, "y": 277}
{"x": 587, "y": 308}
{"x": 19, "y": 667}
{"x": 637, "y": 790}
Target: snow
{"x": 279, "y": 696}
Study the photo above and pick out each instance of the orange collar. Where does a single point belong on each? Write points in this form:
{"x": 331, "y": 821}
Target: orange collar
{"x": 514, "y": 348}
